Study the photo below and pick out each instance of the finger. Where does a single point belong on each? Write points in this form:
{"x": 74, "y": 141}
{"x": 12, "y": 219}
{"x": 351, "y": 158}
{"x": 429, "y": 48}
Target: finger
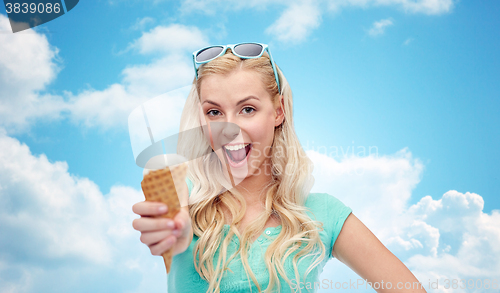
{"x": 180, "y": 221}
{"x": 152, "y": 224}
{"x": 162, "y": 246}
{"x": 179, "y": 224}
{"x": 149, "y": 208}
{"x": 151, "y": 238}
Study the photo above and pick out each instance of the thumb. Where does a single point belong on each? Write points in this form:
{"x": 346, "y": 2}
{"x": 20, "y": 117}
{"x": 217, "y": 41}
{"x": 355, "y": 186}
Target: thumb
{"x": 180, "y": 220}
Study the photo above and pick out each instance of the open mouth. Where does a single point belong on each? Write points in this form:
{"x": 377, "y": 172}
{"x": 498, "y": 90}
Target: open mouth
{"x": 236, "y": 154}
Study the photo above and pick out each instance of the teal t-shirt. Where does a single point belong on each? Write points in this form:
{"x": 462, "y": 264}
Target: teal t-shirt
{"x": 325, "y": 208}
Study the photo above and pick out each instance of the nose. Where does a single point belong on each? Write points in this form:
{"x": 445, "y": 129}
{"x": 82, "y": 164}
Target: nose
{"x": 230, "y": 130}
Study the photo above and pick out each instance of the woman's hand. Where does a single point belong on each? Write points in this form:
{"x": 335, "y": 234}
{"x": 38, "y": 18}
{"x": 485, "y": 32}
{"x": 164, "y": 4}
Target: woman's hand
{"x": 161, "y": 234}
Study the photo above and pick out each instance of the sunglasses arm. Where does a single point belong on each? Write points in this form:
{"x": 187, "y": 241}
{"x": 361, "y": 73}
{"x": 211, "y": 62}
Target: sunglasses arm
{"x": 194, "y": 64}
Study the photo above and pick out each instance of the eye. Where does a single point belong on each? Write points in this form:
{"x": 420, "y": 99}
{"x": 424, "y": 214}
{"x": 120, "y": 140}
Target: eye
{"x": 213, "y": 113}
{"x": 248, "y": 110}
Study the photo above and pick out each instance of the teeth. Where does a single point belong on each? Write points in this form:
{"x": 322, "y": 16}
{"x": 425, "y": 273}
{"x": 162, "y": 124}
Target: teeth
{"x": 236, "y": 147}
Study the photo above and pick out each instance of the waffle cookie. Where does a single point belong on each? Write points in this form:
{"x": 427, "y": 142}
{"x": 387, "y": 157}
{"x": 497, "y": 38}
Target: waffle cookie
{"x": 159, "y": 186}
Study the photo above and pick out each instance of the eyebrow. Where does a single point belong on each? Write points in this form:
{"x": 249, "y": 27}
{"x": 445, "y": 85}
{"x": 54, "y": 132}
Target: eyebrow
{"x": 240, "y": 102}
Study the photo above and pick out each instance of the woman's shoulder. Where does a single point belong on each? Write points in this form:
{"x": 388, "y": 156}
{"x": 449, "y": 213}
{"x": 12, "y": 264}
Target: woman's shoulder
{"x": 331, "y": 212}
{"x": 328, "y": 209}
{"x": 323, "y": 200}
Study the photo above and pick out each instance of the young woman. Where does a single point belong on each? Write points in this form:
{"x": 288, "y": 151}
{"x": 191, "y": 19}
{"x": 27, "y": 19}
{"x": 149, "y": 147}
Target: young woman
{"x": 251, "y": 223}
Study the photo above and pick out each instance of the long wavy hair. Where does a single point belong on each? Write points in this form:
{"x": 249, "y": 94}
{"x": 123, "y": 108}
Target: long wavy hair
{"x": 284, "y": 195}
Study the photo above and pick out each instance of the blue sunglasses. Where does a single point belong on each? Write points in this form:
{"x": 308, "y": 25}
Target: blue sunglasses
{"x": 242, "y": 50}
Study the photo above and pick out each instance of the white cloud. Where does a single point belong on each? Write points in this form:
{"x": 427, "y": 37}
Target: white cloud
{"x": 174, "y": 38}
{"x": 378, "y": 27}
{"x": 37, "y": 195}
{"x": 424, "y": 6}
{"x": 385, "y": 182}
{"x": 469, "y": 246}
{"x": 53, "y": 221}
{"x": 449, "y": 238}
{"x": 106, "y": 108}
{"x": 27, "y": 59}
{"x": 211, "y": 7}
{"x": 296, "y": 22}
{"x": 430, "y": 7}
{"x": 27, "y": 64}
{"x": 300, "y": 17}
{"x": 162, "y": 75}
{"x": 59, "y": 231}
{"x": 408, "y": 41}
{"x": 110, "y": 107}
{"x": 142, "y": 23}
{"x": 411, "y": 6}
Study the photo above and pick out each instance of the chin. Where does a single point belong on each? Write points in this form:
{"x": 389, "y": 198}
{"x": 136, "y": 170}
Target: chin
{"x": 238, "y": 174}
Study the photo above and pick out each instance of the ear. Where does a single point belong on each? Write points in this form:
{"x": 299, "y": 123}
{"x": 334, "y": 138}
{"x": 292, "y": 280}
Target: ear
{"x": 279, "y": 112}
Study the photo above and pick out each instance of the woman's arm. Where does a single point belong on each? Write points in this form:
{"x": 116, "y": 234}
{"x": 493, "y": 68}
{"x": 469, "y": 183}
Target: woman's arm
{"x": 360, "y": 250}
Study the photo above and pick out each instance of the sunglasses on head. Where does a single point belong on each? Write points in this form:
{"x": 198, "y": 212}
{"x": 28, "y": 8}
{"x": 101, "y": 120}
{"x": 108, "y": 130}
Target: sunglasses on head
{"x": 242, "y": 50}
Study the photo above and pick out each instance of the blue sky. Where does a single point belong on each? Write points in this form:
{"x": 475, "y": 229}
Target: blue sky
{"x": 415, "y": 80}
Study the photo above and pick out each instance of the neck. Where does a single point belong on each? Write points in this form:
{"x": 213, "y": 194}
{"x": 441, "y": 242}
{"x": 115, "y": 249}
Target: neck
{"x": 254, "y": 186}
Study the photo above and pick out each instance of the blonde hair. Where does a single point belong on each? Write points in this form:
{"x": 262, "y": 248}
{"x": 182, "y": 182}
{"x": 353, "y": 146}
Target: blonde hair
{"x": 285, "y": 197}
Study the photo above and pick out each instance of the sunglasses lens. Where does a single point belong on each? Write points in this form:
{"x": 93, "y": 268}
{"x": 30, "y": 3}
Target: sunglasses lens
{"x": 208, "y": 53}
{"x": 248, "y": 50}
